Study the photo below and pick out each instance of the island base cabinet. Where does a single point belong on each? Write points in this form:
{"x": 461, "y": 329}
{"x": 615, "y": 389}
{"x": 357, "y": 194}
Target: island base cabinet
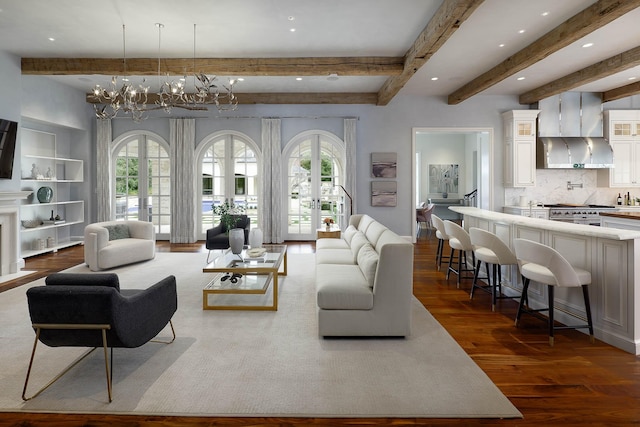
{"x": 615, "y": 280}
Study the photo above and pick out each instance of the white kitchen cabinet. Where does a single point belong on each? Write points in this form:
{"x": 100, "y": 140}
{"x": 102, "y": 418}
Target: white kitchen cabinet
{"x": 55, "y": 218}
{"x": 622, "y": 128}
{"x": 519, "y": 130}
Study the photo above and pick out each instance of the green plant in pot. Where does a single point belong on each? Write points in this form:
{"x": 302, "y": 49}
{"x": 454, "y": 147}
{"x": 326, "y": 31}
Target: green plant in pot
{"x": 226, "y": 211}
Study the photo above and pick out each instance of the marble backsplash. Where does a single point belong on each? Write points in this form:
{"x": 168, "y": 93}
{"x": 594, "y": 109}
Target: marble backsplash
{"x": 551, "y": 188}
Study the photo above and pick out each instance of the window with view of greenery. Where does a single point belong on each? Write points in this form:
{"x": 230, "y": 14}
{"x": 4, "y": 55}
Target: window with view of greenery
{"x": 326, "y": 167}
{"x": 126, "y": 176}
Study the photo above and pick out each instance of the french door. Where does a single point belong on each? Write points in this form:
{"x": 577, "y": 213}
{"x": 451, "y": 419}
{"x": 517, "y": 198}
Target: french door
{"x": 314, "y": 168}
{"x": 229, "y": 171}
{"x": 142, "y": 183}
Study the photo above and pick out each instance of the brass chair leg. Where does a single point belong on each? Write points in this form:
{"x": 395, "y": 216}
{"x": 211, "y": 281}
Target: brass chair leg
{"x": 173, "y": 332}
{"x": 38, "y": 328}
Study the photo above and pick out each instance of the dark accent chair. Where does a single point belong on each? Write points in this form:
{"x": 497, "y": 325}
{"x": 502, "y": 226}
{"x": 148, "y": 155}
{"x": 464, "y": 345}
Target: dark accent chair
{"x": 90, "y": 310}
{"x": 218, "y": 238}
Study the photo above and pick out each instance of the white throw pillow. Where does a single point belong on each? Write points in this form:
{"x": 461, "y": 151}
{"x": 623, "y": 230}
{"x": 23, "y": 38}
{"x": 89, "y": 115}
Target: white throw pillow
{"x": 348, "y": 234}
{"x": 357, "y": 242}
{"x": 368, "y": 263}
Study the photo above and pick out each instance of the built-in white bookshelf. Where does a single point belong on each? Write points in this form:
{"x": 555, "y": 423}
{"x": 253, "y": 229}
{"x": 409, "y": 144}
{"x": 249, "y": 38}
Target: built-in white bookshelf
{"x": 46, "y": 224}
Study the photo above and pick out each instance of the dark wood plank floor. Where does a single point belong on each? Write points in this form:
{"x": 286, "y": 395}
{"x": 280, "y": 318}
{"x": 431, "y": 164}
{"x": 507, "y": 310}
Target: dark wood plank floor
{"x": 574, "y": 383}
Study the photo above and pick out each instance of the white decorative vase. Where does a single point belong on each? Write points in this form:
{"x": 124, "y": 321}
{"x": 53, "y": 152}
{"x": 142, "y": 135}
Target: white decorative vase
{"x": 255, "y": 238}
{"x": 236, "y": 240}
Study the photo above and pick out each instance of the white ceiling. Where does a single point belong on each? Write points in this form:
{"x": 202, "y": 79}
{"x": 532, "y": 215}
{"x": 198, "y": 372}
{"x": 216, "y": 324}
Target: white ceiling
{"x": 261, "y": 28}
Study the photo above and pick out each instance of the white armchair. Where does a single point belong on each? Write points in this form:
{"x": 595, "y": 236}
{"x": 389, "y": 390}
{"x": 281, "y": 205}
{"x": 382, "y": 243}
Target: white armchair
{"x": 113, "y": 243}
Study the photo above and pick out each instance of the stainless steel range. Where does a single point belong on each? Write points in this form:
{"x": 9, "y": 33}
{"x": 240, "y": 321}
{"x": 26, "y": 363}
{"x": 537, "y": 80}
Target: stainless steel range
{"x": 578, "y": 214}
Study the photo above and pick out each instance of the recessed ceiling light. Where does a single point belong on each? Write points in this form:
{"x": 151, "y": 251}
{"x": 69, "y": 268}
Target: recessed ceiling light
{"x": 501, "y": 45}
{"x": 522, "y": 31}
{"x": 520, "y": 78}
{"x": 298, "y": 78}
{"x": 51, "y": 39}
{"x": 545, "y": 13}
{"x": 293, "y": 30}
{"x": 587, "y": 45}
{"x": 240, "y": 79}
{"x": 434, "y": 78}
{"x": 632, "y": 78}
{"x": 291, "y": 18}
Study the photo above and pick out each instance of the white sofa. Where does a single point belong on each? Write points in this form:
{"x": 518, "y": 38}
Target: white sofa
{"x": 113, "y": 243}
{"x": 364, "y": 281}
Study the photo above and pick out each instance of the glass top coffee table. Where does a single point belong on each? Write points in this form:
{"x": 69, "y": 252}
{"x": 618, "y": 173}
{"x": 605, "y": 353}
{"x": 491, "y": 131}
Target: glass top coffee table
{"x": 245, "y": 273}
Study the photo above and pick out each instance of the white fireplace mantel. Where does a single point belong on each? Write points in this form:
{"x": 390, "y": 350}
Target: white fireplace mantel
{"x": 13, "y": 197}
{"x": 10, "y": 261}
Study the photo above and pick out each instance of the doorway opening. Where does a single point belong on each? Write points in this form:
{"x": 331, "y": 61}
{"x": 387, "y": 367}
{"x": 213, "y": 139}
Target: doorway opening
{"x": 449, "y": 163}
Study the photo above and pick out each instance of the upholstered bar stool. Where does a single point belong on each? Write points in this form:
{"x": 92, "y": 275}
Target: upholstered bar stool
{"x": 545, "y": 265}
{"x": 460, "y": 241}
{"x": 488, "y": 248}
{"x": 442, "y": 236}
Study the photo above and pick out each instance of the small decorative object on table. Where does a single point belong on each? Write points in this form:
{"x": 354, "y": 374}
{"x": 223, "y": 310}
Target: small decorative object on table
{"x": 327, "y": 222}
{"x": 45, "y": 194}
{"x": 236, "y": 240}
{"x": 255, "y": 238}
{"x": 31, "y": 223}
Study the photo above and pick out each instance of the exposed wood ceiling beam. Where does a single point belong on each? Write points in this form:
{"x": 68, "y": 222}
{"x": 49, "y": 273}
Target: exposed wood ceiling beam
{"x": 283, "y": 98}
{"x": 615, "y": 64}
{"x": 590, "y": 19}
{"x": 621, "y": 92}
{"x": 446, "y": 20}
{"x": 343, "y": 66}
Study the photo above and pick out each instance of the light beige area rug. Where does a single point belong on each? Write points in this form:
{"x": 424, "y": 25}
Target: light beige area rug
{"x": 240, "y": 363}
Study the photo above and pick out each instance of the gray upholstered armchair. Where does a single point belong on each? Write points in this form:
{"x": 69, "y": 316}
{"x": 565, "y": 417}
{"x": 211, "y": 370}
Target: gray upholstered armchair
{"x": 218, "y": 238}
{"x": 90, "y": 310}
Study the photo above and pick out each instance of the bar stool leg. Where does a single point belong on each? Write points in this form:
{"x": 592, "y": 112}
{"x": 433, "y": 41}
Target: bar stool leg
{"x": 523, "y": 298}
{"x": 450, "y": 262}
{"x": 439, "y": 253}
{"x": 493, "y": 287}
{"x": 475, "y": 278}
{"x": 550, "y": 292}
{"x": 587, "y": 306}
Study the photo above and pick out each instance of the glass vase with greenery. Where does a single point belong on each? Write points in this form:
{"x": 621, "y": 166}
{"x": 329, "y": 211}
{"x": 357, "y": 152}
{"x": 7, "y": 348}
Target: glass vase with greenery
{"x": 228, "y": 212}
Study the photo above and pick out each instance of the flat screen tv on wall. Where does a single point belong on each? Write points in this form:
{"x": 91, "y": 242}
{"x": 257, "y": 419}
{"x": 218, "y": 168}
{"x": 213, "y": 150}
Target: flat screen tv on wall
{"x": 8, "y": 134}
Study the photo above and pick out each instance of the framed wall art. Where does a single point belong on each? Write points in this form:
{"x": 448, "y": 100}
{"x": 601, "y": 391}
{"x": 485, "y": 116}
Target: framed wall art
{"x": 383, "y": 165}
{"x": 384, "y": 193}
{"x": 443, "y": 179}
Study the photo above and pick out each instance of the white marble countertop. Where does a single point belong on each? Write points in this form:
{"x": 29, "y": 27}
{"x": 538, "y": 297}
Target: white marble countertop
{"x": 545, "y": 224}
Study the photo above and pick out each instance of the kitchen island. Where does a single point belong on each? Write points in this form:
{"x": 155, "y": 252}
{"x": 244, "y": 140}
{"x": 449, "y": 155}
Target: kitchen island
{"x": 612, "y": 255}
{"x": 623, "y": 220}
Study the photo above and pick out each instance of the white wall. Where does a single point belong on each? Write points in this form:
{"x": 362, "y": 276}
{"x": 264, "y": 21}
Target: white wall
{"x": 10, "y": 104}
{"x": 379, "y": 129}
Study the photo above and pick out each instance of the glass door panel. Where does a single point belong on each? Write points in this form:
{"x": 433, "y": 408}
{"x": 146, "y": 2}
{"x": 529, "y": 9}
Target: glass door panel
{"x": 144, "y": 193}
{"x": 229, "y": 168}
{"x": 314, "y": 168}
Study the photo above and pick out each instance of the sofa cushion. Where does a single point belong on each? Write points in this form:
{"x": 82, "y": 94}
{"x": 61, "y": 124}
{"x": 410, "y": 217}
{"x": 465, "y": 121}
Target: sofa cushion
{"x": 119, "y": 231}
{"x": 374, "y": 231}
{"x": 334, "y": 256}
{"x": 368, "y": 263}
{"x": 83, "y": 279}
{"x": 365, "y": 222}
{"x": 322, "y": 244}
{"x": 349, "y": 233}
{"x": 342, "y": 287}
{"x": 358, "y": 241}
{"x": 125, "y": 251}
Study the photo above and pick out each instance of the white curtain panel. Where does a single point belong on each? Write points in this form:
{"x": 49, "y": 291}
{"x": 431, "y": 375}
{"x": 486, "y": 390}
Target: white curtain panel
{"x": 103, "y": 169}
{"x": 271, "y": 206}
{"x": 182, "y": 141}
{"x": 350, "y": 173}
